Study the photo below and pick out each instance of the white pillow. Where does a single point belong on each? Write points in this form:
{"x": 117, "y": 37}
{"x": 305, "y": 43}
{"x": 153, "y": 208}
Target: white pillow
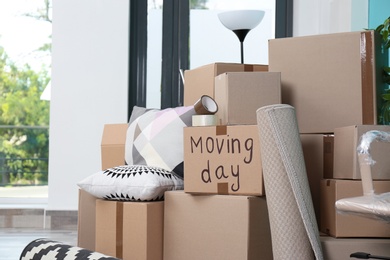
{"x": 131, "y": 183}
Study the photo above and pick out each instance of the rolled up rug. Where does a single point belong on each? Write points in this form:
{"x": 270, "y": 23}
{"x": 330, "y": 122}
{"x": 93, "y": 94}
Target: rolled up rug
{"x": 294, "y": 229}
{"x": 45, "y": 249}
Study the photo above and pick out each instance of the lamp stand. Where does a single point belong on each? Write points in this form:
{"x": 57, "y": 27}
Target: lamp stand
{"x": 241, "y": 34}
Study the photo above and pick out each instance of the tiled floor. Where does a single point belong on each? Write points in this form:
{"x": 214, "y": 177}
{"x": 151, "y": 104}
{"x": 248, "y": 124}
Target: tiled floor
{"x": 14, "y": 240}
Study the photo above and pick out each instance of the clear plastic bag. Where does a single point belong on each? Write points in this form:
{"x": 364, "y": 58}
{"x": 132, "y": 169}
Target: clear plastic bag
{"x": 369, "y": 205}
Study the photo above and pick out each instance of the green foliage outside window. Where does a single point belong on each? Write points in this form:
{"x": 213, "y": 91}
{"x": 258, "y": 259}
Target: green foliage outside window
{"x": 24, "y": 120}
{"x": 24, "y": 117}
{"x": 384, "y": 31}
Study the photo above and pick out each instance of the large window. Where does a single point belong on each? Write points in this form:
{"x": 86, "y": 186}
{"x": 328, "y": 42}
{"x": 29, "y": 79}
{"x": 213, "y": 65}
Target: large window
{"x": 25, "y": 60}
{"x": 183, "y": 35}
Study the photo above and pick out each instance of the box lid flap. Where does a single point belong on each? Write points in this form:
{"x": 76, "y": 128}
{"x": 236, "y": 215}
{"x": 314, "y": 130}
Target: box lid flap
{"x": 114, "y": 134}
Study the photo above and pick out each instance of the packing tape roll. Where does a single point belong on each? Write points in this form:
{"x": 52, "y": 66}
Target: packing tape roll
{"x": 204, "y": 120}
{"x": 206, "y": 105}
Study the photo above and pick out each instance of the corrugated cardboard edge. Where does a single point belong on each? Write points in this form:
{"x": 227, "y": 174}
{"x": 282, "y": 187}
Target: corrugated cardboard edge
{"x": 155, "y": 230}
{"x": 86, "y": 221}
{"x": 106, "y": 227}
{"x": 328, "y": 220}
{"x": 143, "y": 229}
{"x": 119, "y": 230}
{"x": 260, "y": 230}
{"x": 328, "y": 156}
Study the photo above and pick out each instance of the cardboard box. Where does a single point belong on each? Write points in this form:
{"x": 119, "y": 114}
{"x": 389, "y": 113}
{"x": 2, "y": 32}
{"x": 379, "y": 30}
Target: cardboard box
{"x": 216, "y": 227}
{"x": 347, "y": 225}
{"x": 312, "y": 147}
{"x": 113, "y": 145}
{"x": 200, "y": 81}
{"x": 130, "y": 230}
{"x": 223, "y": 160}
{"x": 346, "y": 164}
{"x": 342, "y": 248}
{"x": 112, "y": 154}
{"x": 330, "y": 79}
{"x": 240, "y": 94}
{"x": 86, "y": 221}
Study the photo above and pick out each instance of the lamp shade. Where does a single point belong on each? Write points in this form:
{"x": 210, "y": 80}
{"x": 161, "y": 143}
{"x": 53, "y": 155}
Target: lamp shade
{"x": 241, "y": 19}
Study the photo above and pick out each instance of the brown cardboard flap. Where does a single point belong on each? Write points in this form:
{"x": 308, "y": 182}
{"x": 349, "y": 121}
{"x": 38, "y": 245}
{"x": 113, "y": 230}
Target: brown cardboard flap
{"x": 113, "y": 145}
{"x": 114, "y": 134}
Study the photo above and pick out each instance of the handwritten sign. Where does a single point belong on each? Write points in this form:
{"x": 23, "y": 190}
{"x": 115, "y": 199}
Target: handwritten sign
{"x": 222, "y": 159}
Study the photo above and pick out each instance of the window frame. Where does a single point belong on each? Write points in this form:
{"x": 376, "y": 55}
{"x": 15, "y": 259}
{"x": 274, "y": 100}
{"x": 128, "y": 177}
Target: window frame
{"x": 175, "y": 48}
{"x": 137, "y": 54}
{"x": 175, "y": 51}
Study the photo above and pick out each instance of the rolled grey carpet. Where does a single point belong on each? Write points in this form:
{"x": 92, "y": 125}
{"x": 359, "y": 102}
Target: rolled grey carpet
{"x": 45, "y": 249}
{"x": 294, "y": 230}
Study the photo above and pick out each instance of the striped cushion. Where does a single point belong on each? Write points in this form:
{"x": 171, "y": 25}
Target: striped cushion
{"x": 45, "y": 249}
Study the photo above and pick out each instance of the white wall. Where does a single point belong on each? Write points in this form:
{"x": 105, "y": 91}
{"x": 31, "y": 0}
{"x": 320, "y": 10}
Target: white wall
{"x": 313, "y": 17}
{"x": 89, "y": 89}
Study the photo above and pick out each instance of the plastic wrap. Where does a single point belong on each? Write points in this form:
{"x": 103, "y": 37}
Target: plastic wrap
{"x": 369, "y": 205}
{"x": 375, "y": 206}
{"x": 365, "y": 143}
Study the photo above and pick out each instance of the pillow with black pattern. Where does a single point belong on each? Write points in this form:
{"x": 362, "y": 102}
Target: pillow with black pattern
{"x": 132, "y": 183}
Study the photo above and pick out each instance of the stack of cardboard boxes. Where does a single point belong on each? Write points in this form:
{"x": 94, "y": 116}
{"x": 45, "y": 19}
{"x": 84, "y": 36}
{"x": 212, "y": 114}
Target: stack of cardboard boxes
{"x": 333, "y": 83}
{"x": 126, "y": 230}
{"x": 222, "y": 212}
{"x": 342, "y": 179}
{"x": 345, "y": 182}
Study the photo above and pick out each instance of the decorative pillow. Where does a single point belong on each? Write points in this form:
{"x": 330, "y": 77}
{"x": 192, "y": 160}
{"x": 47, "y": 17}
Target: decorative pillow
{"x": 137, "y": 112}
{"x": 46, "y": 249}
{"x": 155, "y": 138}
{"x": 132, "y": 183}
